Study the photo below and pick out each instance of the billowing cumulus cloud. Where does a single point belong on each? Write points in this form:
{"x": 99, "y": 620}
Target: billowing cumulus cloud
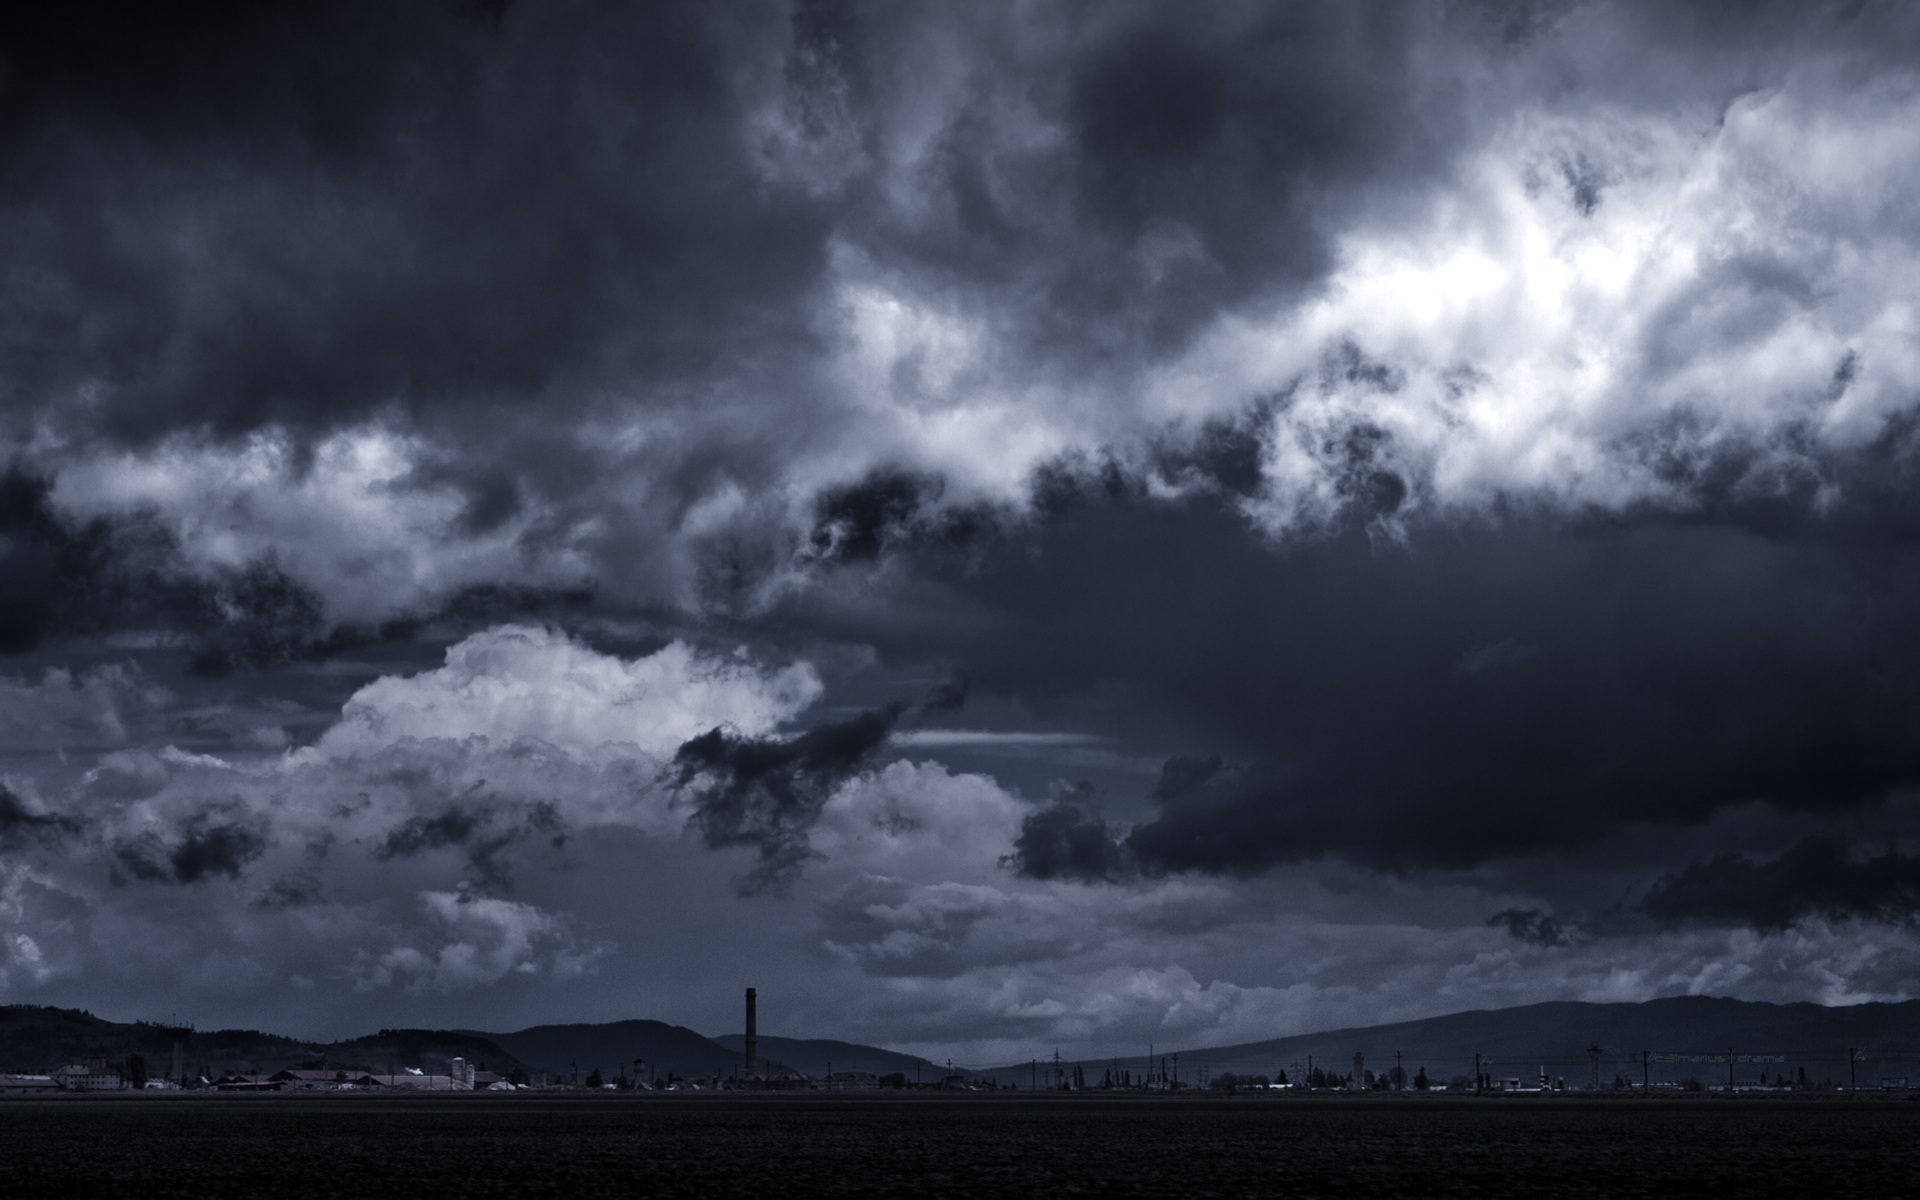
{"x": 518, "y": 682}
{"x": 1015, "y": 525}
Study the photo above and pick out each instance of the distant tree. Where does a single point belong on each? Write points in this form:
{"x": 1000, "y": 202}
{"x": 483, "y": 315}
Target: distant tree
{"x": 517, "y": 1077}
{"x": 1420, "y": 1081}
{"x": 137, "y": 1070}
{"x": 896, "y": 1080}
{"x": 593, "y": 1078}
{"x": 1398, "y": 1078}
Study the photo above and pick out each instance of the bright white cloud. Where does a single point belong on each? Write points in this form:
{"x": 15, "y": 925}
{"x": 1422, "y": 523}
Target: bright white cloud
{"x": 359, "y": 520}
{"x": 517, "y": 682}
{"x": 1732, "y": 283}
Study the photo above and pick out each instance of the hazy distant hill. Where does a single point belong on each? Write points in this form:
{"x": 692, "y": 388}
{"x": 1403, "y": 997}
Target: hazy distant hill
{"x": 36, "y": 1038}
{"x": 1521, "y": 1041}
{"x": 813, "y": 1055}
{"x": 613, "y": 1046}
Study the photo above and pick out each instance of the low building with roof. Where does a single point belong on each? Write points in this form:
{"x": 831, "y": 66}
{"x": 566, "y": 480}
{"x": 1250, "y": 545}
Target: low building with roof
{"x": 420, "y": 1083}
{"x": 308, "y": 1080}
{"x": 97, "y": 1075}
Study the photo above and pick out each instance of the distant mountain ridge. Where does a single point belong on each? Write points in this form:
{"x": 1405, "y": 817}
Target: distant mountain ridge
{"x": 1665, "y": 1039}
{"x": 1668, "y": 1039}
{"x": 36, "y": 1038}
{"x": 612, "y": 1048}
{"x": 815, "y": 1056}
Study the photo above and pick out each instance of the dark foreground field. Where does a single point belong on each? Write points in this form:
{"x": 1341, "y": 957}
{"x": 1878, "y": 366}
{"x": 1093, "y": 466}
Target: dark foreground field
{"x": 989, "y": 1145}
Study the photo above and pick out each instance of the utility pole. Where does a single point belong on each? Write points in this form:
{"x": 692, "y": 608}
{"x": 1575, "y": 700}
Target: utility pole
{"x": 1478, "y": 1078}
{"x": 1399, "y": 1075}
{"x": 1729, "y": 1070}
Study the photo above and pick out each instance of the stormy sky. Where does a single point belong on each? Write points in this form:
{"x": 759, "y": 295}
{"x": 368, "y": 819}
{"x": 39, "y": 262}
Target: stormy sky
{"x": 1003, "y": 526}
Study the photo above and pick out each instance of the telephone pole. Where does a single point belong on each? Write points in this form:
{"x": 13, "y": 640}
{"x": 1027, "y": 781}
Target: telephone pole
{"x": 1399, "y": 1074}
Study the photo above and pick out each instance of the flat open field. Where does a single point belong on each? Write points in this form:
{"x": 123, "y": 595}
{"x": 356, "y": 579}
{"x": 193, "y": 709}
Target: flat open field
{"x": 987, "y": 1145}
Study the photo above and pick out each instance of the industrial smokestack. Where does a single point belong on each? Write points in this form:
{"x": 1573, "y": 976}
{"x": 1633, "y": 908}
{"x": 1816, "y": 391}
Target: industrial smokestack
{"x": 753, "y": 1037}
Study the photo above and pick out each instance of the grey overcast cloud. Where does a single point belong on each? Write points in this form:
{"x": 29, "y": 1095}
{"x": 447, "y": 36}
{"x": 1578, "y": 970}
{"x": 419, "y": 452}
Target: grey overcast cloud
{"x": 1003, "y": 525}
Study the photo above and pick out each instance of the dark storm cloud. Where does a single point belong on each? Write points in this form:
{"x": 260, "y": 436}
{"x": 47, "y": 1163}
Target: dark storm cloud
{"x": 484, "y": 836}
{"x": 1815, "y": 877}
{"x": 20, "y": 824}
{"x": 1530, "y": 925}
{"x": 1071, "y": 839}
{"x": 1198, "y": 152}
{"x": 218, "y": 841}
{"x": 293, "y": 891}
{"x": 1493, "y": 685}
{"x": 479, "y": 208}
{"x": 60, "y": 578}
{"x": 494, "y": 228}
{"x": 949, "y": 695}
{"x": 766, "y": 794}
{"x": 861, "y": 522}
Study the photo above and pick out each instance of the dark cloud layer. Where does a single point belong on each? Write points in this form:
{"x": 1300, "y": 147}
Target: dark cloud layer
{"x": 1530, "y": 925}
{"x": 218, "y": 841}
{"x": 1814, "y": 877}
{"x": 61, "y": 579}
{"x": 20, "y": 825}
{"x": 1507, "y": 684}
{"x": 766, "y": 793}
{"x": 1071, "y": 839}
{"x": 485, "y": 833}
{"x": 467, "y": 229}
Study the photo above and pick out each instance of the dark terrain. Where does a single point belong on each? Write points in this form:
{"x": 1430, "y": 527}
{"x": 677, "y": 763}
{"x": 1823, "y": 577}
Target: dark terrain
{"x": 988, "y": 1145}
